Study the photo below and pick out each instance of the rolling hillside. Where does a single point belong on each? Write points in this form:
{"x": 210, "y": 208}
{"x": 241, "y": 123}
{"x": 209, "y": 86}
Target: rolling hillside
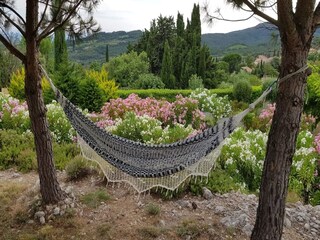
{"x": 250, "y": 41}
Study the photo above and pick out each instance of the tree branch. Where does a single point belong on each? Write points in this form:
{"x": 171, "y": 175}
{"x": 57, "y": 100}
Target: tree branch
{"x": 12, "y": 49}
{"x": 54, "y": 25}
{"x": 286, "y": 17}
{"x": 43, "y": 15}
{"x": 12, "y": 10}
{"x": 261, "y": 14}
{"x": 13, "y": 23}
{"x": 316, "y": 16}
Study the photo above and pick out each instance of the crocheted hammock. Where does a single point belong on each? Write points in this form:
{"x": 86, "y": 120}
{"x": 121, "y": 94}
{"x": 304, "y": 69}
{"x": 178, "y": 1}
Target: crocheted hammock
{"x": 145, "y": 166}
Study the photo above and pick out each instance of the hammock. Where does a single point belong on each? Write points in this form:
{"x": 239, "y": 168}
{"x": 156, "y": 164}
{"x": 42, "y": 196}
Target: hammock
{"x": 145, "y": 166}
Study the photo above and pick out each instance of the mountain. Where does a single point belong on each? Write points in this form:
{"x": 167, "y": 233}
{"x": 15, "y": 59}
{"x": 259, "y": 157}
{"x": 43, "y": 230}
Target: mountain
{"x": 93, "y": 48}
{"x": 251, "y": 41}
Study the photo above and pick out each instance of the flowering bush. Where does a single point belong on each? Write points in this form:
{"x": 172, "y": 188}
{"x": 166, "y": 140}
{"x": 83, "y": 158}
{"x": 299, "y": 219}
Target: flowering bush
{"x": 148, "y": 130}
{"x": 219, "y": 107}
{"x": 242, "y": 156}
{"x": 184, "y": 110}
{"x": 13, "y": 114}
{"x": 60, "y": 127}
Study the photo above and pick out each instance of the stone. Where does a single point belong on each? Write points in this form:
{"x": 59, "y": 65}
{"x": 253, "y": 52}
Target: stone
{"x": 219, "y": 209}
{"x": 15, "y": 175}
{"x": 30, "y": 222}
{"x": 39, "y": 214}
{"x": 184, "y": 204}
{"x": 56, "y": 211}
{"x": 307, "y": 226}
{"x": 287, "y": 222}
{"x": 247, "y": 229}
{"x": 243, "y": 219}
{"x": 206, "y": 193}
{"x": 42, "y": 220}
{"x": 162, "y": 223}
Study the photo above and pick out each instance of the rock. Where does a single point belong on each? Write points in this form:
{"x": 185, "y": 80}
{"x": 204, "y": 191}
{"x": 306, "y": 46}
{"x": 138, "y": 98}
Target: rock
{"x": 68, "y": 189}
{"x": 42, "y": 220}
{"x": 188, "y": 237}
{"x": 184, "y": 204}
{"x": 72, "y": 205}
{"x": 242, "y": 219}
{"x": 15, "y": 175}
{"x": 219, "y": 209}
{"x": 307, "y": 226}
{"x": 39, "y": 214}
{"x": 287, "y": 222}
{"x": 56, "y": 211}
{"x": 162, "y": 223}
{"x": 30, "y": 222}
{"x": 206, "y": 193}
{"x": 68, "y": 201}
{"x": 247, "y": 229}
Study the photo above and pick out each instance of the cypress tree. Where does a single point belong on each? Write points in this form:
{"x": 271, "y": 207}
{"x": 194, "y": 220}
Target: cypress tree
{"x": 107, "y": 53}
{"x": 180, "y": 25}
{"x": 167, "y": 76}
{"x": 202, "y": 63}
{"x": 60, "y": 44}
{"x": 195, "y": 24}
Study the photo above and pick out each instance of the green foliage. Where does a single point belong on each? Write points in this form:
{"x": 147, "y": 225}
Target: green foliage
{"x": 153, "y": 209}
{"x": 68, "y": 79}
{"x": 94, "y": 199}
{"x": 170, "y": 94}
{"x": 63, "y": 153}
{"x": 242, "y": 91}
{"x": 167, "y": 76}
{"x": 147, "y": 81}
{"x": 148, "y": 130}
{"x": 16, "y": 150}
{"x": 60, "y": 44}
{"x": 218, "y": 181}
{"x": 191, "y": 228}
{"x": 126, "y": 68}
{"x": 313, "y": 97}
{"x": 234, "y": 61}
{"x": 8, "y": 65}
{"x": 195, "y": 82}
{"x": 16, "y": 87}
{"x": 77, "y": 168}
{"x": 108, "y": 86}
{"x": 91, "y": 95}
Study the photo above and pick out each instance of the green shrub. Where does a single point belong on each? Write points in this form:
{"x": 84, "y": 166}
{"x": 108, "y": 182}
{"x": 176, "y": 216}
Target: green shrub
{"x": 312, "y": 104}
{"x": 153, "y": 209}
{"x": 91, "y": 95}
{"x": 63, "y": 153}
{"x": 242, "y": 91}
{"x": 147, "y": 81}
{"x": 195, "y": 82}
{"x": 16, "y": 87}
{"x": 77, "y": 168}
{"x": 16, "y": 150}
{"x": 108, "y": 86}
{"x": 218, "y": 181}
{"x": 170, "y": 94}
{"x": 94, "y": 199}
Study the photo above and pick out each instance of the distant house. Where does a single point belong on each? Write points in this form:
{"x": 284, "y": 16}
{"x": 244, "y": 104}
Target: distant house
{"x": 247, "y": 69}
{"x": 263, "y": 59}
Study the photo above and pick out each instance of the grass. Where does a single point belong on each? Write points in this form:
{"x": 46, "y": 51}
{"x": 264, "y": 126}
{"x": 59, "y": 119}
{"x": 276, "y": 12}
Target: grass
{"x": 94, "y": 199}
{"x": 150, "y": 232}
{"x": 153, "y": 209}
{"x": 191, "y": 228}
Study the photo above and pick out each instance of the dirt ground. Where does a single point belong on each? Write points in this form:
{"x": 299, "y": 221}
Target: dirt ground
{"x": 124, "y": 215}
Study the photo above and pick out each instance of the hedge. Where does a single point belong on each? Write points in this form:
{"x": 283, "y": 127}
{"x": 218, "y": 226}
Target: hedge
{"x": 170, "y": 94}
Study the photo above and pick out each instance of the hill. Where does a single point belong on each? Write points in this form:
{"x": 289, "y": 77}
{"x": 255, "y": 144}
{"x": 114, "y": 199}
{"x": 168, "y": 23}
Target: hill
{"x": 251, "y": 41}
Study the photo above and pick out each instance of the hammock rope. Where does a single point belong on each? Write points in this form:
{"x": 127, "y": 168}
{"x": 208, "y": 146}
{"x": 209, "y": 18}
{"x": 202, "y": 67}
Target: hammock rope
{"x": 146, "y": 166}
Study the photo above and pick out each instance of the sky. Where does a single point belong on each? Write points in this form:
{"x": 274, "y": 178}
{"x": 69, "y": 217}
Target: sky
{"x": 127, "y": 15}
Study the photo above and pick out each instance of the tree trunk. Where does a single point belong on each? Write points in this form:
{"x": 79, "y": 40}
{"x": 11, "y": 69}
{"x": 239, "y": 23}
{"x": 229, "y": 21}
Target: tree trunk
{"x": 282, "y": 140}
{"x": 49, "y": 186}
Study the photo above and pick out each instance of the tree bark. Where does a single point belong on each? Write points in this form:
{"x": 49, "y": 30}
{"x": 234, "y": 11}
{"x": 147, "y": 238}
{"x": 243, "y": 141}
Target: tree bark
{"x": 282, "y": 139}
{"x": 49, "y": 186}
